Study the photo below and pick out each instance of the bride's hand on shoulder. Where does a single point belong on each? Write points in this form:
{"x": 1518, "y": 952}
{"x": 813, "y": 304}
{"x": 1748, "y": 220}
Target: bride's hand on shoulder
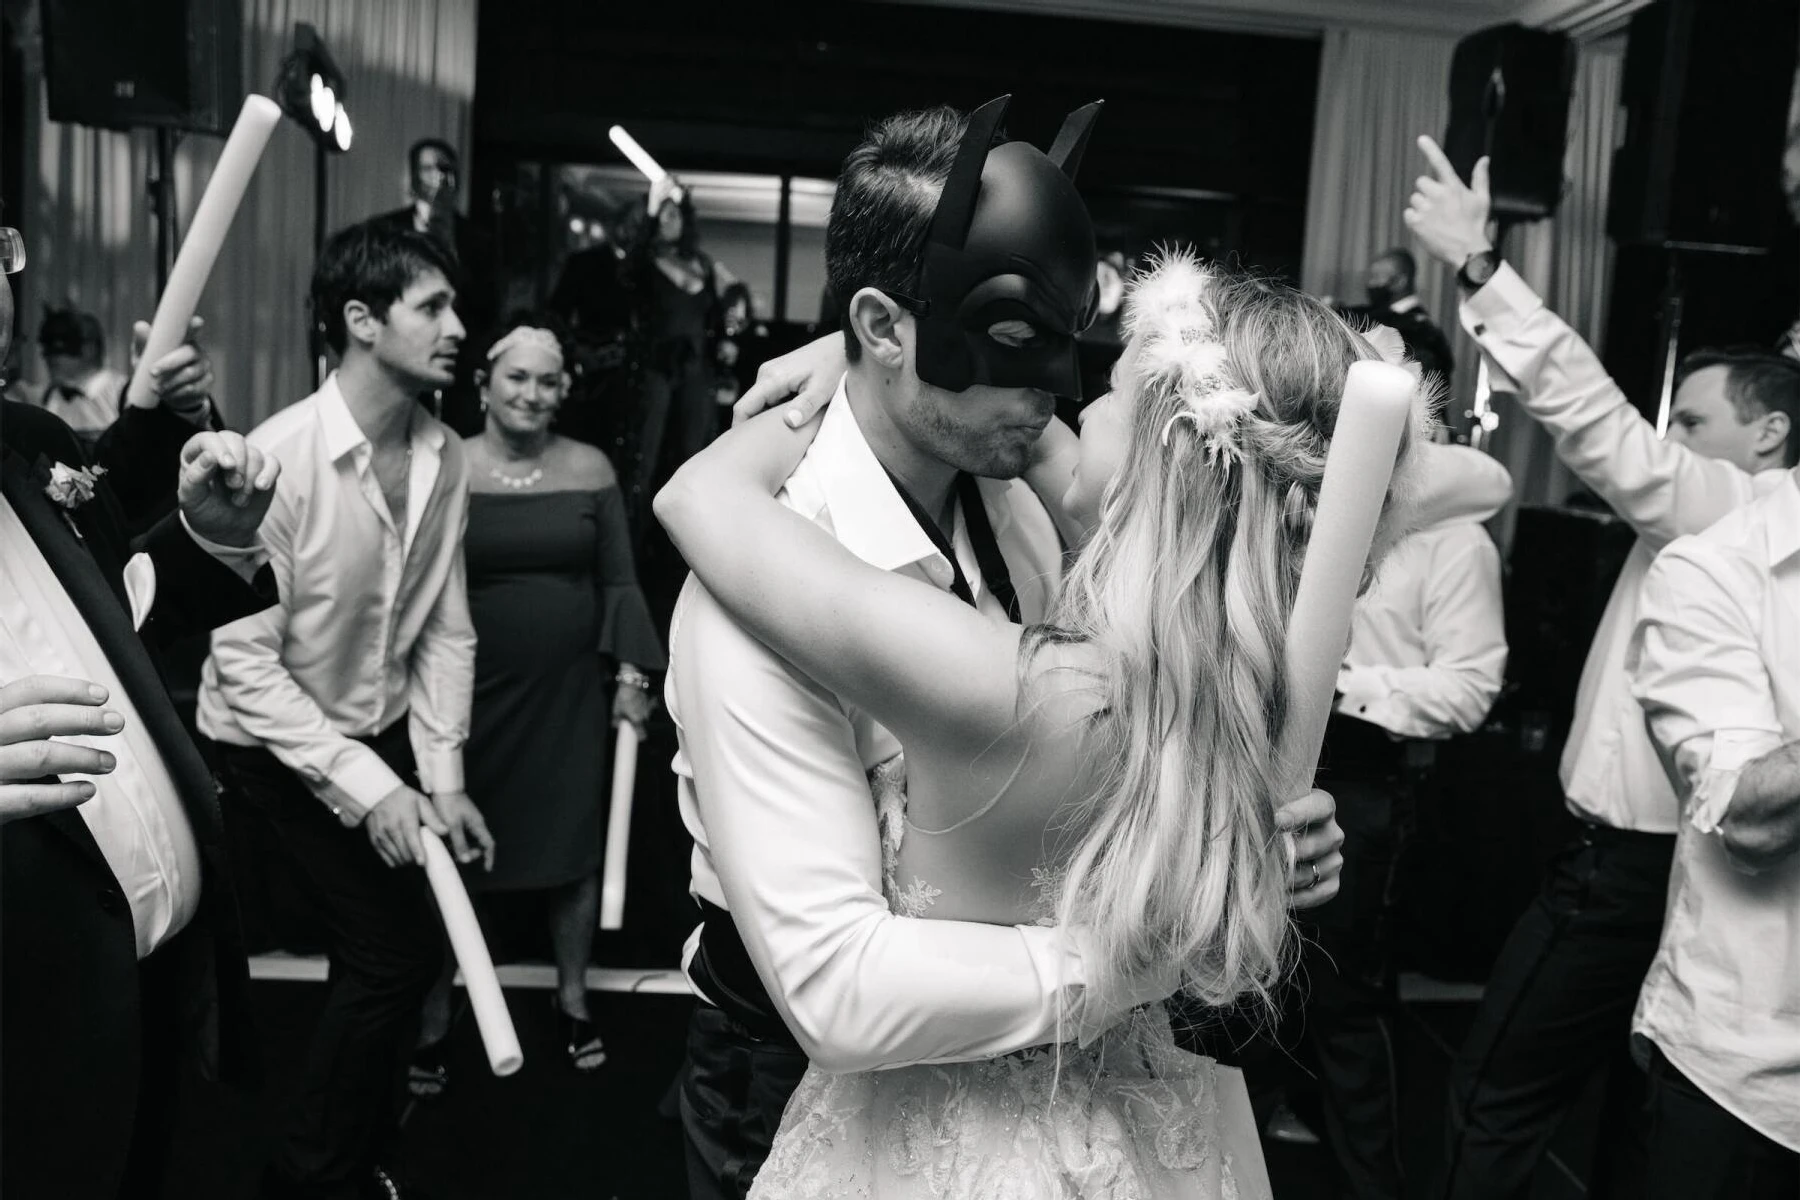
{"x": 799, "y": 383}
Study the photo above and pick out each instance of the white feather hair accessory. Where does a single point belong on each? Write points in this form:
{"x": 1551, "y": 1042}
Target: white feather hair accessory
{"x": 1170, "y": 316}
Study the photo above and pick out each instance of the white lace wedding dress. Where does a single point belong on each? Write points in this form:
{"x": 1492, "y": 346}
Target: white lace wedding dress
{"x": 1131, "y": 1117}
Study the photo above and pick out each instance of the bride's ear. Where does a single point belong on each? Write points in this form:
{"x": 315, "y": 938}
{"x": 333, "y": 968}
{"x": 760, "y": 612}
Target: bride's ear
{"x": 877, "y": 322}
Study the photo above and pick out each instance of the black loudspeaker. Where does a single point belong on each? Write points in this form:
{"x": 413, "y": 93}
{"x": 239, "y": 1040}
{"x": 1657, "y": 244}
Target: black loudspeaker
{"x": 117, "y": 64}
{"x": 1509, "y": 100}
{"x": 1706, "y": 98}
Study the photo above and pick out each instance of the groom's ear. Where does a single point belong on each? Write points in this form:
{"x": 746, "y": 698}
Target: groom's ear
{"x": 878, "y": 323}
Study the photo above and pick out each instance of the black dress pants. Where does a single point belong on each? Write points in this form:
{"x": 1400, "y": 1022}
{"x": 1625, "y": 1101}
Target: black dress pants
{"x": 1351, "y": 996}
{"x": 1699, "y": 1151}
{"x": 734, "y": 1088}
{"x": 384, "y": 947}
{"x": 1557, "y": 1010}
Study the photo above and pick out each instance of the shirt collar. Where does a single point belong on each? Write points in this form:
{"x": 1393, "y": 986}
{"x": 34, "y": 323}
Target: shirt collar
{"x": 1404, "y": 304}
{"x": 344, "y": 436}
{"x": 1783, "y": 523}
{"x": 867, "y": 514}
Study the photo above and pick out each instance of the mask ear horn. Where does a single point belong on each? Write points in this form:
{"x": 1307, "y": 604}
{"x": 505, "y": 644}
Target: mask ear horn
{"x": 1071, "y": 141}
{"x": 956, "y": 203}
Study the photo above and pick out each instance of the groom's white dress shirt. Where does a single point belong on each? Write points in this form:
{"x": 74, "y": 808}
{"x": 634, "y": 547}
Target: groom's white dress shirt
{"x": 772, "y": 786}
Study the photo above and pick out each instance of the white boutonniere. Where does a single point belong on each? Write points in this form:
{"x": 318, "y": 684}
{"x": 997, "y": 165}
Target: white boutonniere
{"x": 72, "y": 487}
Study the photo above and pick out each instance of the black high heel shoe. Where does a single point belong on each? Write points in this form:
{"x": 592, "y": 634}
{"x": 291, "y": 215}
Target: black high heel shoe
{"x": 581, "y": 1040}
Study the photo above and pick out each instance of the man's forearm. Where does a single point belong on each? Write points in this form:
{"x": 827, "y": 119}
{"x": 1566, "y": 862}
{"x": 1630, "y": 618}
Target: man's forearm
{"x": 1762, "y": 826}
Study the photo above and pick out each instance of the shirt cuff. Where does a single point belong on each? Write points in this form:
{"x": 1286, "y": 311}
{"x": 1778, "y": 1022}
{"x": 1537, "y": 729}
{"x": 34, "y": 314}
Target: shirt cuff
{"x": 441, "y": 771}
{"x": 1716, "y": 784}
{"x": 358, "y": 786}
{"x": 1505, "y": 300}
{"x": 199, "y": 416}
{"x": 1097, "y": 1010}
{"x": 244, "y": 561}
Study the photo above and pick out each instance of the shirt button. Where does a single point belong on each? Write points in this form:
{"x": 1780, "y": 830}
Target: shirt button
{"x": 112, "y": 900}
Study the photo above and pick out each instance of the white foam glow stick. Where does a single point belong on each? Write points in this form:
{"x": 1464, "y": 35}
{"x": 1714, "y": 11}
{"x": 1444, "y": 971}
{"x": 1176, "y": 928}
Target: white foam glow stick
{"x": 491, "y": 1015}
{"x": 640, "y": 158}
{"x": 618, "y": 828}
{"x": 1376, "y": 407}
{"x": 200, "y": 248}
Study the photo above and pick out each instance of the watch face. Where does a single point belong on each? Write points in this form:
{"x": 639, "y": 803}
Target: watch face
{"x": 1481, "y": 267}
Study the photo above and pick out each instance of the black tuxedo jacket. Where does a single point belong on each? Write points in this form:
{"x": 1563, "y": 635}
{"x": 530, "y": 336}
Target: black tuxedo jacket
{"x": 71, "y": 1021}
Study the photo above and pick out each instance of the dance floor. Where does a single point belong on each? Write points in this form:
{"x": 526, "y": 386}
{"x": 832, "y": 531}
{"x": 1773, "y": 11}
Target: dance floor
{"x": 548, "y": 1133}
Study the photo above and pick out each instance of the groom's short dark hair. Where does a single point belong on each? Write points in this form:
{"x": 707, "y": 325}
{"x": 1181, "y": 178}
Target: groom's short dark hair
{"x": 886, "y": 195}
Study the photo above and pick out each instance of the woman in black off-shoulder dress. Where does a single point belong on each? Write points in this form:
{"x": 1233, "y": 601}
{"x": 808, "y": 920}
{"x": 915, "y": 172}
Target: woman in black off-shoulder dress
{"x": 556, "y": 605}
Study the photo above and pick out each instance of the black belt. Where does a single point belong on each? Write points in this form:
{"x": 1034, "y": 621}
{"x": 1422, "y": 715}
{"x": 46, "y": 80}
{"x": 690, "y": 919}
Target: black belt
{"x": 721, "y": 969}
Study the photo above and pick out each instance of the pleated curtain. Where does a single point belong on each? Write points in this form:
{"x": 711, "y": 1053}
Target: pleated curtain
{"x": 409, "y": 67}
{"x": 1377, "y": 92}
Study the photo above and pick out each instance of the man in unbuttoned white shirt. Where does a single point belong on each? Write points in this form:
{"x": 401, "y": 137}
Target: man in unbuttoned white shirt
{"x": 324, "y": 708}
{"x": 1558, "y": 1003}
{"x": 1716, "y": 663}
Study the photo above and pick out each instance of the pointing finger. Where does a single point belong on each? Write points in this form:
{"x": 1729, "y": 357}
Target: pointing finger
{"x": 1439, "y": 163}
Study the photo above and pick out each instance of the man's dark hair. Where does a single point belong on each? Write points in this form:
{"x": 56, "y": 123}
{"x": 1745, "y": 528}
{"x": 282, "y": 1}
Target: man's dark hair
{"x": 886, "y": 195}
{"x": 373, "y": 263}
{"x": 1757, "y": 382}
{"x": 1403, "y": 259}
{"x": 71, "y": 332}
{"x": 431, "y": 143}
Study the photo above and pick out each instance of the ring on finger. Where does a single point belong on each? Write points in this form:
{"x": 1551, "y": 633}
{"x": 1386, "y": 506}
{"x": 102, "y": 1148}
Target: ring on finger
{"x": 1315, "y": 875}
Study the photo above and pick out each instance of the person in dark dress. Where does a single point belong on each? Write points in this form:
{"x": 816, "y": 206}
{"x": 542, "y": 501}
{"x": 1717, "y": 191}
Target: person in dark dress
{"x": 554, "y": 597}
{"x": 678, "y": 289}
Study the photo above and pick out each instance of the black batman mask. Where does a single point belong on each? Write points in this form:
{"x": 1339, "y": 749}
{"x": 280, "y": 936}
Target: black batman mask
{"x": 1011, "y": 246}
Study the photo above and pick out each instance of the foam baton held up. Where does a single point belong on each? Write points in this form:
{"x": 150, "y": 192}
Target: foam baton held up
{"x": 200, "y": 248}
{"x": 638, "y": 156}
{"x": 618, "y": 828}
{"x": 491, "y": 1015}
{"x": 1371, "y": 420}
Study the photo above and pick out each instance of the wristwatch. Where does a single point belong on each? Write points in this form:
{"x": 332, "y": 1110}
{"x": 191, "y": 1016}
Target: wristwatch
{"x": 1477, "y": 269}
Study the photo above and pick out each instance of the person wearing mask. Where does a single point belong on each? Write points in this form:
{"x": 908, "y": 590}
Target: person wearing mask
{"x": 1557, "y": 1008}
{"x": 1391, "y": 283}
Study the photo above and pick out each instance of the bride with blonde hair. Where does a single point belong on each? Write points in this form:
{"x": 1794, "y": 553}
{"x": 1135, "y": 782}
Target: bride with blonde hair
{"x": 1115, "y": 767}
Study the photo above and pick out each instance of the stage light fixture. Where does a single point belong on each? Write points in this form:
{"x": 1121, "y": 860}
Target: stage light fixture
{"x": 310, "y": 89}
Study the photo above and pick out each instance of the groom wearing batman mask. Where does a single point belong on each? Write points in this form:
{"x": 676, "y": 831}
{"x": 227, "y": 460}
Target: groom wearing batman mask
{"x": 966, "y": 264}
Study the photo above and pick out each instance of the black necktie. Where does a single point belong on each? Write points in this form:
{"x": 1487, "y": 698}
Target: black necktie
{"x": 988, "y": 559}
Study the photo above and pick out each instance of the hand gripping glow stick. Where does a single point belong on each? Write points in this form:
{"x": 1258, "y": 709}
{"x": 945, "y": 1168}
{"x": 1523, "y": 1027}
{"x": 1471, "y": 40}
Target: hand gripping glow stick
{"x": 491, "y": 1016}
{"x": 640, "y": 158}
{"x": 200, "y": 248}
{"x": 618, "y": 828}
{"x": 1376, "y": 407}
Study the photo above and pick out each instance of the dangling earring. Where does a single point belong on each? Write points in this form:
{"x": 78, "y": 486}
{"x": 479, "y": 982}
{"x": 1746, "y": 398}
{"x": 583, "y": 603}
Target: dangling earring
{"x": 484, "y": 404}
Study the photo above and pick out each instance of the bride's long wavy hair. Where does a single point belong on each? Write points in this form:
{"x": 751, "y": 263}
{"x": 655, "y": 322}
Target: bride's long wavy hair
{"x": 1185, "y": 589}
